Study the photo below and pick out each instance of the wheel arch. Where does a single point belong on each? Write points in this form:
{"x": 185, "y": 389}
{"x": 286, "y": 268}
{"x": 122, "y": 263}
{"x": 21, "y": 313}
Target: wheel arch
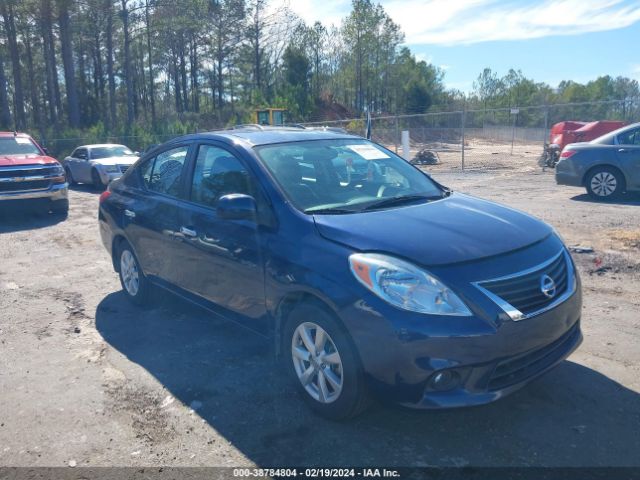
{"x": 292, "y": 299}
{"x": 610, "y": 166}
{"x": 117, "y": 241}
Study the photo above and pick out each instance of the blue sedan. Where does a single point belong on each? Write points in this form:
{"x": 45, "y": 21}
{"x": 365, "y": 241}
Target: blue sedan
{"x": 369, "y": 278}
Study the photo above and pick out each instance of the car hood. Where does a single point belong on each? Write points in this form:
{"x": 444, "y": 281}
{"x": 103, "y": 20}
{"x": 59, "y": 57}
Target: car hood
{"x": 19, "y": 160}
{"x": 455, "y": 229}
{"x": 128, "y": 160}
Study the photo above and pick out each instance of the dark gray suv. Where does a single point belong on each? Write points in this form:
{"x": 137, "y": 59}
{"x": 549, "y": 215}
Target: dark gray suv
{"x": 606, "y": 166}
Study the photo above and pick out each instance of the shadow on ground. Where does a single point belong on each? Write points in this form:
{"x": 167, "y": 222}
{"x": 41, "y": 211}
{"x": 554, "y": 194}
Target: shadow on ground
{"x": 28, "y": 219}
{"x": 573, "y": 416}
{"x": 629, "y": 198}
{"x": 86, "y": 188}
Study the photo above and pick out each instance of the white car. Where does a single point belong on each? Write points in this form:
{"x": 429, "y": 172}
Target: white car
{"x": 98, "y": 164}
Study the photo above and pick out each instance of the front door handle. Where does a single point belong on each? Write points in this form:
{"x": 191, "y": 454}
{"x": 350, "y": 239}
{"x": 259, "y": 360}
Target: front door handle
{"x": 130, "y": 213}
{"x": 623, "y": 150}
{"x": 187, "y": 232}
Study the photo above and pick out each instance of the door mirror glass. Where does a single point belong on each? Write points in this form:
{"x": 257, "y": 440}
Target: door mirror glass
{"x": 236, "y": 206}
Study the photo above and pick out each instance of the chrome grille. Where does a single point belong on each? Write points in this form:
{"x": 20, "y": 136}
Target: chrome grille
{"x": 27, "y": 171}
{"x": 521, "y": 295}
{"x": 8, "y": 187}
{"x": 26, "y": 178}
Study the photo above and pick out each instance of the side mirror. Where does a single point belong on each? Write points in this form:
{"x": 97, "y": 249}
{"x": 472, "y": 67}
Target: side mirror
{"x": 236, "y": 206}
{"x": 45, "y": 150}
{"x": 136, "y": 153}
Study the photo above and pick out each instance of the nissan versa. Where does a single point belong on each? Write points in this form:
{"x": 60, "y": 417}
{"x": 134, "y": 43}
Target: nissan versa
{"x": 372, "y": 278}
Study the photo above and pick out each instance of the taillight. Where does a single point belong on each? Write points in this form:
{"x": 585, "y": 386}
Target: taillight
{"x": 104, "y": 195}
{"x": 567, "y": 153}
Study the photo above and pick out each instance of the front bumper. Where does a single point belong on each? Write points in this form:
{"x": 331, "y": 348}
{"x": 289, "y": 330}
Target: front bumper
{"x": 55, "y": 192}
{"x": 485, "y": 383}
{"x": 488, "y": 365}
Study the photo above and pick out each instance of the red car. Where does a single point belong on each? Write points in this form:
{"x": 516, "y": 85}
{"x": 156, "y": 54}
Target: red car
{"x": 29, "y": 176}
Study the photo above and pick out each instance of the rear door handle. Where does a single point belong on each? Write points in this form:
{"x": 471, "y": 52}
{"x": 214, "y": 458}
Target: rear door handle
{"x": 187, "y": 232}
{"x": 130, "y": 213}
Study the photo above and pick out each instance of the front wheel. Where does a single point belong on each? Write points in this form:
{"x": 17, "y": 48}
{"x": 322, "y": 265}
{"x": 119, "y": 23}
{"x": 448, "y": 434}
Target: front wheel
{"x": 604, "y": 183}
{"x": 134, "y": 284}
{"x": 69, "y": 175}
{"x": 97, "y": 181}
{"x": 324, "y": 363}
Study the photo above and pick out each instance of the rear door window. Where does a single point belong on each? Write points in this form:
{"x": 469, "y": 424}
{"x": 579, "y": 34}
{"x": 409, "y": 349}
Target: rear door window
{"x": 163, "y": 173}
{"x": 631, "y": 137}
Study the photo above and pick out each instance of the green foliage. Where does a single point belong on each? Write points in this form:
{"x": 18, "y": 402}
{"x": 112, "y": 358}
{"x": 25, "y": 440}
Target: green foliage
{"x": 194, "y": 65}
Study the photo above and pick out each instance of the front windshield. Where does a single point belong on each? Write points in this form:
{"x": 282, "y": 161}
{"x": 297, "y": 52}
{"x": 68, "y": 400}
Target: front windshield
{"x": 344, "y": 175}
{"x": 18, "y": 146}
{"x": 114, "y": 151}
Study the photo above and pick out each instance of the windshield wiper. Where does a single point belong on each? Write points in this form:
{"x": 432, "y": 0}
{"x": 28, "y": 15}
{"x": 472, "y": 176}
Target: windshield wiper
{"x": 329, "y": 211}
{"x": 391, "y": 201}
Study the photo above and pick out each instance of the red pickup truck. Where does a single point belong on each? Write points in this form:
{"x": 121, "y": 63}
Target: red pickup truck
{"x": 30, "y": 177}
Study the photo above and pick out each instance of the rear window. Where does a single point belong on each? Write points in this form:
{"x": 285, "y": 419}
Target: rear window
{"x": 18, "y": 146}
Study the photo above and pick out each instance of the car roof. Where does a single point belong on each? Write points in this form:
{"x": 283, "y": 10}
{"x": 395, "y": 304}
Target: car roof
{"x": 100, "y": 145}
{"x": 14, "y": 134}
{"x": 267, "y": 135}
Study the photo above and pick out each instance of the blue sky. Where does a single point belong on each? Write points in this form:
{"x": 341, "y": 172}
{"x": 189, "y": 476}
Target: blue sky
{"x": 549, "y": 40}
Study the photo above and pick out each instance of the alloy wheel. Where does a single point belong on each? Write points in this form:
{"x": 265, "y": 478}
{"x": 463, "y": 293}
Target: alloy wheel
{"x": 317, "y": 362}
{"x": 604, "y": 184}
{"x": 129, "y": 272}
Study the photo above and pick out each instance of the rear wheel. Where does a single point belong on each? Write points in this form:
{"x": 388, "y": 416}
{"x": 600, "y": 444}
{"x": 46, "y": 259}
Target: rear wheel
{"x": 324, "y": 363}
{"x": 134, "y": 284}
{"x": 604, "y": 183}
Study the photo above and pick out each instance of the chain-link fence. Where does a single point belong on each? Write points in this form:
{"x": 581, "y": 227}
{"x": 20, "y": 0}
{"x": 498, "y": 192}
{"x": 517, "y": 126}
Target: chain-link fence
{"x": 473, "y": 139}
{"x": 484, "y": 139}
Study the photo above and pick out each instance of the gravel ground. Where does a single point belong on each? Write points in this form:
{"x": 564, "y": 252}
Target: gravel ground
{"x": 87, "y": 379}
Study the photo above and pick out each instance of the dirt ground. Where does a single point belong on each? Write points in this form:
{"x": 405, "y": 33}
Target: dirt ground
{"x": 87, "y": 379}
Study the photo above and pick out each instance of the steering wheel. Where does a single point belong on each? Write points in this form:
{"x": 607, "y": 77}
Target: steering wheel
{"x": 381, "y": 191}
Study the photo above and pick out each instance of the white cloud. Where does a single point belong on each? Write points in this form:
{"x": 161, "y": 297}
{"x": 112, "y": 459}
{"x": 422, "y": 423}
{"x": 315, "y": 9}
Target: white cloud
{"x": 451, "y": 22}
{"x": 464, "y": 22}
{"x": 329, "y": 12}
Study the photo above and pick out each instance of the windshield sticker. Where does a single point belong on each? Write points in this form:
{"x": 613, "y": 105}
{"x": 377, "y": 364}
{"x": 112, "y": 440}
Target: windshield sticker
{"x": 23, "y": 141}
{"x": 368, "y": 152}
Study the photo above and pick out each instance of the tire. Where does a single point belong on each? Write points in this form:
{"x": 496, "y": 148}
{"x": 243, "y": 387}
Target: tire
{"x": 134, "y": 284}
{"x": 97, "y": 181}
{"x": 69, "y": 175}
{"x": 60, "y": 207}
{"x": 331, "y": 381}
{"x": 604, "y": 183}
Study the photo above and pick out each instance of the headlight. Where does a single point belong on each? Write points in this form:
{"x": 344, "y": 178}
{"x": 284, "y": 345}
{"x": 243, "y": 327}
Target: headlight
{"x": 111, "y": 168}
{"x": 405, "y": 286}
